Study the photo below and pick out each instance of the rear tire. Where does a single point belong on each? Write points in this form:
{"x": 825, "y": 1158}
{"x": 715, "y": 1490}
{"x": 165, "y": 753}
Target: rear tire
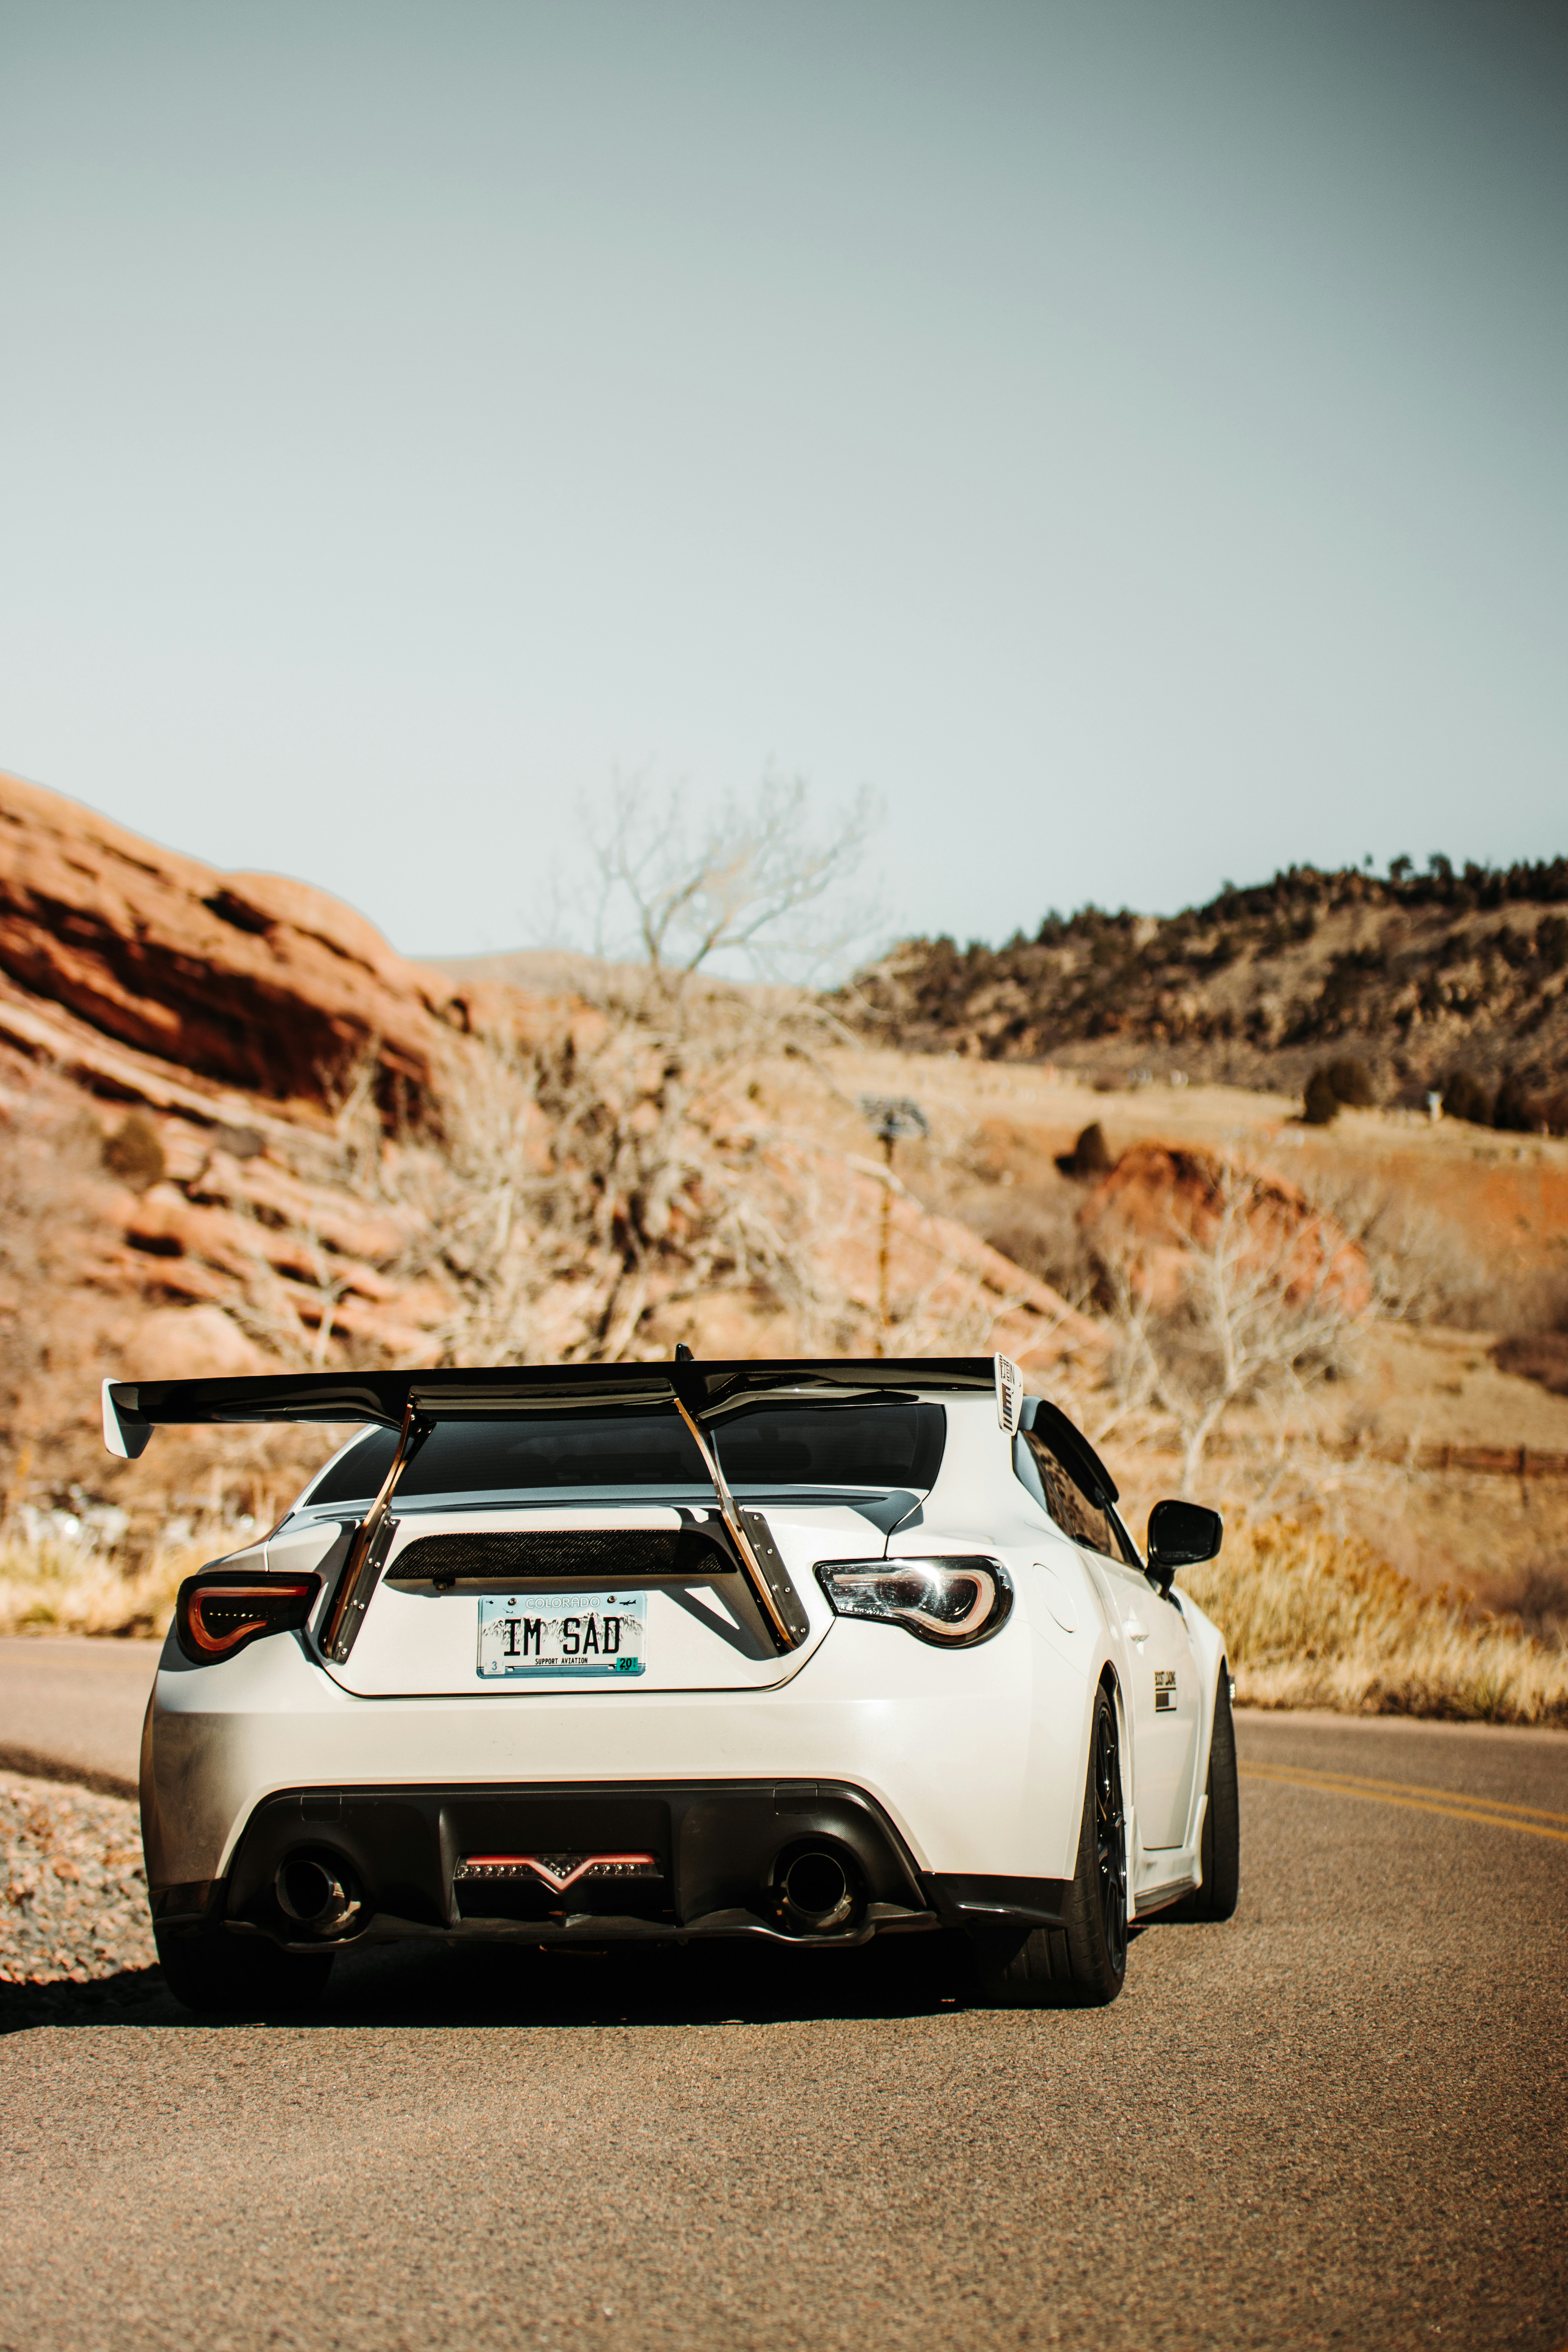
{"x": 1083, "y": 1963}
{"x": 1220, "y": 1846}
{"x": 214, "y": 1973}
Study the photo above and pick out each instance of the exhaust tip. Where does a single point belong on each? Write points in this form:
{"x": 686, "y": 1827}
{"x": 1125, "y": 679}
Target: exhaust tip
{"x": 818, "y": 1891}
{"x": 317, "y": 1893}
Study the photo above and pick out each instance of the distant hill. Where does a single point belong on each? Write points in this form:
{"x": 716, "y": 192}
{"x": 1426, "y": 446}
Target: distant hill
{"x": 1420, "y": 975}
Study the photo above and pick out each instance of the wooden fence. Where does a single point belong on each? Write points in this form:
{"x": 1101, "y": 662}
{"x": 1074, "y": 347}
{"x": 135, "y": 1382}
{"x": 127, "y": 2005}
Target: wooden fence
{"x": 1520, "y": 1462}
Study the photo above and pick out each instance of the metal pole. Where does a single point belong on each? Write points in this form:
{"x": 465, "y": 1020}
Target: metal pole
{"x": 882, "y": 1248}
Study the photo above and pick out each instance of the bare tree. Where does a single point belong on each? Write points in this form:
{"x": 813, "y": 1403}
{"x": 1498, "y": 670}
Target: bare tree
{"x": 752, "y": 881}
{"x": 617, "y": 1165}
{"x": 657, "y": 1149}
{"x": 1255, "y": 1320}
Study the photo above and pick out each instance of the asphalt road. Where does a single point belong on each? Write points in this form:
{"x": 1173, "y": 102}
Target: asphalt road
{"x": 72, "y": 1709}
{"x": 1340, "y": 2119}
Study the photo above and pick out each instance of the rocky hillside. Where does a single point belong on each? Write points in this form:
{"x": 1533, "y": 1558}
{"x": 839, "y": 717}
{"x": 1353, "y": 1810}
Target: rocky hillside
{"x": 248, "y": 982}
{"x": 1419, "y": 975}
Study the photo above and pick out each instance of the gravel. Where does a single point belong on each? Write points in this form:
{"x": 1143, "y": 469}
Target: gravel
{"x": 75, "y": 1906}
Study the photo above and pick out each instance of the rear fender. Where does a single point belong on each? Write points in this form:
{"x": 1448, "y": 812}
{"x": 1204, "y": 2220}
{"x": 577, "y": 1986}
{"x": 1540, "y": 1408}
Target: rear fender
{"x": 1209, "y": 1653}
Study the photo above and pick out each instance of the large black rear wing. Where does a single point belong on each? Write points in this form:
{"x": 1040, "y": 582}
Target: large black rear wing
{"x": 412, "y": 1402}
{"x": 132, "y": 1410}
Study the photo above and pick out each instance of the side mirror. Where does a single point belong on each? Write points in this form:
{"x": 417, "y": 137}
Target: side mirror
{"x": 1180, "y": 1535}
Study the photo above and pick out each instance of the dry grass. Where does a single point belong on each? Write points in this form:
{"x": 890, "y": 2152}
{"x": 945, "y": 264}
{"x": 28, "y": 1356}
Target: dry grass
{"x": 1314, "y": 1619}
{"x": 61, "y": 1586}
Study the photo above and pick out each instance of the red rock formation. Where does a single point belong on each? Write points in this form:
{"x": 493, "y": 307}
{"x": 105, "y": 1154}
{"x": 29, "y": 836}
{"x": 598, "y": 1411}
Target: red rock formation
{"x": 245, "y": 980}
{"x": 1163, "y": 1200}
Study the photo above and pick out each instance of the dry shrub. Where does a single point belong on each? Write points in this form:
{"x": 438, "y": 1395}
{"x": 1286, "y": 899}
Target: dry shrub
{"x": 1314, "y": 1619}
{"x": 62, "y": 1585}
{"x": 47, "y": 1147}
{"x": 1037, "y": 1228}
{"x": 1423, "y": 1269}
{"x": 134, "y": 1154}
{"x": 1537, "y": 1595}
{"x": 584, "y": 1194}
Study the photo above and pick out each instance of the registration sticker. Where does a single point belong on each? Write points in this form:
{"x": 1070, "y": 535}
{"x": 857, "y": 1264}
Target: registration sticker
{"x": 597, "y": 1633}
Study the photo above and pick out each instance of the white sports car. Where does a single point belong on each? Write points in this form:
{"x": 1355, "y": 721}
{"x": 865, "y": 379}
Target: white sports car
{"x": 805, "y": 1650}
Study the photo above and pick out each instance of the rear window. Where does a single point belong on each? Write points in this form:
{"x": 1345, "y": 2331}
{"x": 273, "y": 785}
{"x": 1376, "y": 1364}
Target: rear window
{"x": 760, "y": 1446}
{"x": 832, "y": 1446}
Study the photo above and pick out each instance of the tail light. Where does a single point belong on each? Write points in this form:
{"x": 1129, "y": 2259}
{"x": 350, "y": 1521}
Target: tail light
{"x": 953, "y": 1602}
{"x": 220, "y": 1610}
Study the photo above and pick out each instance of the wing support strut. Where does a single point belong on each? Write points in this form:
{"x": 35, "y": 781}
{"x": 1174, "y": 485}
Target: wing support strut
{"x": 372, "y": 1541}
{"x": 747, "y": 1530}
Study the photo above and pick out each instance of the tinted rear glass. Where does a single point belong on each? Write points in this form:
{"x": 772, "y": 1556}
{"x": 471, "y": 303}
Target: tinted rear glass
{"x": 766, "y": 1446}
{"x": 832, "y": 1446}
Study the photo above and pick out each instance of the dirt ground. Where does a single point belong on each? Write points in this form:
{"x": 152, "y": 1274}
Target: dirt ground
{"x": 1506, "y": 1195}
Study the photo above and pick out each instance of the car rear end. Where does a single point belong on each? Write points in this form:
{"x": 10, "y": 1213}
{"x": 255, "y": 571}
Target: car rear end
{"x": 565, "y": 1712}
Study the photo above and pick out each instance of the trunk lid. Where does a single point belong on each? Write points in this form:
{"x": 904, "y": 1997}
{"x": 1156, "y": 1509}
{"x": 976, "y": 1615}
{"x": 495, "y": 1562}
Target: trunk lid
{"x": 450, "y": 1573}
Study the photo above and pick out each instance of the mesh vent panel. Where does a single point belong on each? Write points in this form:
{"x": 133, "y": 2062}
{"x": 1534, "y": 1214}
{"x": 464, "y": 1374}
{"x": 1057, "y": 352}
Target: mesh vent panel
{"x": 619, "y": 1555}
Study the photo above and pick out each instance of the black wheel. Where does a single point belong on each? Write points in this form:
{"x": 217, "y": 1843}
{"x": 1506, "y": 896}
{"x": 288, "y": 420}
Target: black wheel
{"x": 1082, "y": 1964}
{"x": 214, "y": 1973}
{"x": 1221, "y": 1844}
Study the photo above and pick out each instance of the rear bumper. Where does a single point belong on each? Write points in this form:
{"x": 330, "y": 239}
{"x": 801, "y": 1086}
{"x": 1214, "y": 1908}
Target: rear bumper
{"x": 677, "y": 1860}
{"x": 975, "y": 1759}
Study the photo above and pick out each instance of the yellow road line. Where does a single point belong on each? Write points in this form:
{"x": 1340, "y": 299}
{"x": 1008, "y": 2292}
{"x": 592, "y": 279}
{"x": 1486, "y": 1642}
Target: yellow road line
{"x": 1369, "y": 1792}
{"x": 1424, "y": 1789}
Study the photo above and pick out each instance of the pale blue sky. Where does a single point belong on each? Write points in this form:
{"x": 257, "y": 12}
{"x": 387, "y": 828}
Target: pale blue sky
{"x": 1128, "y": 436}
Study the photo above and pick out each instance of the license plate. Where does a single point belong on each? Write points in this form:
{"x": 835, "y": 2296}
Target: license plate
{"x": 597, "y": 1633}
